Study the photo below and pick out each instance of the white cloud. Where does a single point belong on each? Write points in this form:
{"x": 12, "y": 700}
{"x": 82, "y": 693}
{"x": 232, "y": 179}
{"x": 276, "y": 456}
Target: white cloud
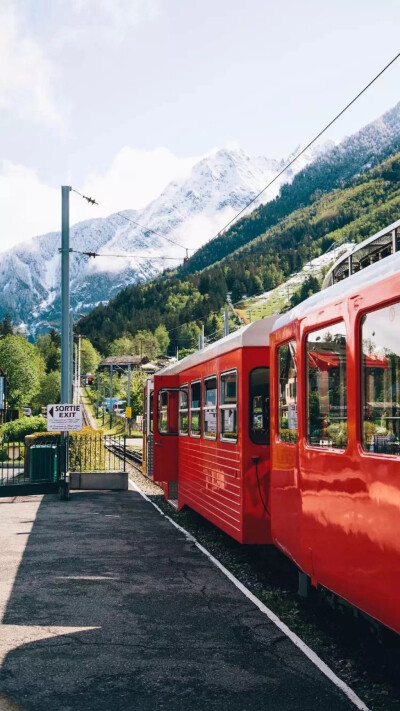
{"x": 135, "y": 177}
{"x": 29, "y": 207}
{"x": 109, "y": 19}
{"x": 25, "y": 73}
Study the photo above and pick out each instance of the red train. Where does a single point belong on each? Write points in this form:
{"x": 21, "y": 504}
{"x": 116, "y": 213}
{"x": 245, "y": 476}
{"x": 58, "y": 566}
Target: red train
{"x": 288, "y": 432}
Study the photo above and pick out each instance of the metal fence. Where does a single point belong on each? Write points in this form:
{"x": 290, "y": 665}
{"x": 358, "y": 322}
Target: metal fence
{"x": 37, "y": 460}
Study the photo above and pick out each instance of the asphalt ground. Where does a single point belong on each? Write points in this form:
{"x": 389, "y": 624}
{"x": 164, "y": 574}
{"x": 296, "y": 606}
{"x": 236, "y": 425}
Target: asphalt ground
{"x": 105, "y": 605}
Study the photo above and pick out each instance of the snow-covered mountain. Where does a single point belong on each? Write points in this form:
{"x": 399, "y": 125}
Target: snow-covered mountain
{"x": 189, "y": 212}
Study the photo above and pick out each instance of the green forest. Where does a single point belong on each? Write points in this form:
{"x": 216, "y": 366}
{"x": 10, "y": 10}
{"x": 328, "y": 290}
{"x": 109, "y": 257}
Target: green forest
{"x": 251, "y": 259}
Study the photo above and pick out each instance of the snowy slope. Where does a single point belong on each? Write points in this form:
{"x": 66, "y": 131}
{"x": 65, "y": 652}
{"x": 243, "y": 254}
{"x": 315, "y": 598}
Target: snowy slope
{"x": 189, "y": 211}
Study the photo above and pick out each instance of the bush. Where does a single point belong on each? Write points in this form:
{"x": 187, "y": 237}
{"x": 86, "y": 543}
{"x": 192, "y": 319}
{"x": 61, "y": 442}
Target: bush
{"x": 18, "y": 429}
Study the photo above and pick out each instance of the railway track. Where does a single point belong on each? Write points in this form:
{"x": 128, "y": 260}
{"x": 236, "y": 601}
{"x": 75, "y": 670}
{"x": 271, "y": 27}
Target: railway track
{"x": 125, "y": 453}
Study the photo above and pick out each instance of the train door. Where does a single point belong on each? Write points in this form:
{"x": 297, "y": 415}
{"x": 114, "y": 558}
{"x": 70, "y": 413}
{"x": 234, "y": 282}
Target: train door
{"x": 165, "y": 426}
{"x": 148, "y": 427}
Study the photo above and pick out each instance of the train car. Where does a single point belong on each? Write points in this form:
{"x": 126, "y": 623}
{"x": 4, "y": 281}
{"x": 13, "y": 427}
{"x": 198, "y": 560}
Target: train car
{"x": 335, "y": 438}
{"x": 211, "y": 432}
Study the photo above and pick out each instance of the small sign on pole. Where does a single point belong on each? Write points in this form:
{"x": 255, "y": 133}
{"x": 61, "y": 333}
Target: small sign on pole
{"x": 128, "y": 413}
{"x": 64, "y": 418}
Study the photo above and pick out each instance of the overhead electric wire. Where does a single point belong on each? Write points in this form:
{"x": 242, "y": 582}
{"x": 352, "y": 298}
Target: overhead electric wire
{"x": 125, "y": 256}
{"x": 92, "y": 201}
{"x": 303, "y": 150}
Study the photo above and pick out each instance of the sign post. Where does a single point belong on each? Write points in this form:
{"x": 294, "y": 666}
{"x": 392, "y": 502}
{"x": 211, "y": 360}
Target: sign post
{"x": 64, "y": 418}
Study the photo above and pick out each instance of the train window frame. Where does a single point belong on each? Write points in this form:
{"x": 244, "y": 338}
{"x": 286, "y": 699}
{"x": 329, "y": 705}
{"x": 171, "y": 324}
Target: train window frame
{"x": 151, "y": 412}
{"x": 167, "y": 391}
{"x": 251, "y": 407}
{"x": 367, "y": 452}
{"x": 183, "y": 410}
{"x": 195, "y": 409}
{"x": 277, "y": 433}
{"x": 228, "y": 406}
{"x": 206, "y": 408}
{"x": 304, "y": 352}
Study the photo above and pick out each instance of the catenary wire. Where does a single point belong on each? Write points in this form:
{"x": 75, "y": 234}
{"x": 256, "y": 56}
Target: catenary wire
{"x": 92, "y": 201}
{"x": 303, "y": 150}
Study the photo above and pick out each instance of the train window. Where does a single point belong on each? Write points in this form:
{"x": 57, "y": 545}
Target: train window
{"x": 380, "y": 378}
{"x": 195, "y": 409}
{"x": 167, "y": 412}
{"x": 287, "y": 420}
{"x": 326, "y": 387}
{"x": 259, "y": 405}
{"x": 163, "y": 411}
{"x": 210, "y": 408}
{"x": 228, "y": 406}
{"x": 151, "y": 424}
{"x": 183, "y": 410}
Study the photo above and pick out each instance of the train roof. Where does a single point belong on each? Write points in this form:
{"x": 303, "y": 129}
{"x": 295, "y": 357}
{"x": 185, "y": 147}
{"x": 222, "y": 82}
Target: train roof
{"x": 368, "y": 276}
{"x": 255, "y": 334}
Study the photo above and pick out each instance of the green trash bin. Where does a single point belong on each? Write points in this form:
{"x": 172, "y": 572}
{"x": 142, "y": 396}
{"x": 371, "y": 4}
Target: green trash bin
{"x": 43, "y": 463}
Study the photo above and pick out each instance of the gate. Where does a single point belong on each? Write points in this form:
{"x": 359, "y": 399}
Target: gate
{"x": 33, "y": 465}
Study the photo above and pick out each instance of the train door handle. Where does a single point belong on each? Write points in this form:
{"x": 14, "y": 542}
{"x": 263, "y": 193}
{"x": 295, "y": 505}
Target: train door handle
{"x": 157, "y": 444}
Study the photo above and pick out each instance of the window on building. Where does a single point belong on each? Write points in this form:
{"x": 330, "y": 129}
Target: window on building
{"x": 326, "y": 387}
{"x": 380, "y": 380}
{"x": 287, "y": 416}
{"x": 195, "y": 409}
{"x": 210, "y": 408}
{"x": 259, "y": 405}
{"x": 183, "y": 411}
{"x": 228, "y": 406}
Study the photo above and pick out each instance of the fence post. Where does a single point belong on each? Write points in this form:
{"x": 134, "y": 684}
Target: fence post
{"x": 124, "y": 454}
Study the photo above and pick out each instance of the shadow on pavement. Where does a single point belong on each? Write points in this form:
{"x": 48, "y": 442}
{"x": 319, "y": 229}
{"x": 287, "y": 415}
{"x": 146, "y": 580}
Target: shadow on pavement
{"x": 122, "y": 612}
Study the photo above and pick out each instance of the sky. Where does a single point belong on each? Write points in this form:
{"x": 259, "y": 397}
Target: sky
{"x": 118, "y": 97}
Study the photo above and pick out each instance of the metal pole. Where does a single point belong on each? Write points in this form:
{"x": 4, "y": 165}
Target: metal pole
{"x": 71, "y": 355}
{"x": 104, "y": 402}
{"x": 226, "y": 322}
{"x": 65, "y": 349}
{"x": 128, "y": 394}
{"x": 98, "y": 394}
{"x": 111, "y": 394}
{"x": 65, "y": 331}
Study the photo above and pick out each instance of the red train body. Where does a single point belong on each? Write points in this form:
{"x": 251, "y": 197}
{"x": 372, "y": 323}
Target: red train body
{"x": 326, "y": 491}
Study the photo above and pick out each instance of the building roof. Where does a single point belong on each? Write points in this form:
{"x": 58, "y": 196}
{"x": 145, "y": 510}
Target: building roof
{"x": 124, "y": 360}
{"x": 255, "y": 334}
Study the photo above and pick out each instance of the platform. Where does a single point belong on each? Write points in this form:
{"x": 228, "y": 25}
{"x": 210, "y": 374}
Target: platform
{"x": 105, "y": 605}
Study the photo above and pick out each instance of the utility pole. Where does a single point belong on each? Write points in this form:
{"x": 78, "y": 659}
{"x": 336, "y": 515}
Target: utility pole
{"x": 111, "y": 395}
{"x": 71, "y": 354}
{"x": 226, "y": 322}
{"x": 65, "y": 331}
{"x": 97, "y": 394}
{"x": 128, "y": 396}
{"x": 65, "y": 327}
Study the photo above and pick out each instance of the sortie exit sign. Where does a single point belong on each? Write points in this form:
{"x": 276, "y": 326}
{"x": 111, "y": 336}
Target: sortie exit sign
{"x": 64, "y": 418}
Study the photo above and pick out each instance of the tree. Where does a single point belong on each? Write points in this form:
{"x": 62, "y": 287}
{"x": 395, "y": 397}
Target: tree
{"x": 163, "y": 338}
{"x": 23, "y": 367}
{"x": 137, "y": 384}
{"x": 188, "y": 335}
{"x": 122, "y": 346}
{"x": 145, "y": 344}
{"x": 50, "y": 389}
{"x": 90, "y": 358}
{"x": 49, "y": 346}
{"x": 6, "y": 328}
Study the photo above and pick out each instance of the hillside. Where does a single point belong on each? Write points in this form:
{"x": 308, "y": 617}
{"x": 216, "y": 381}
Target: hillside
{"x": 361, "y": 207}
{"x": 188, "y": 211}
{"x": 333, "y": 169}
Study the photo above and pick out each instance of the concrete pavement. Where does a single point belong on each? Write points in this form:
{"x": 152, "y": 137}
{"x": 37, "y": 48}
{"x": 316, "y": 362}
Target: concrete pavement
{"x": 105, "y": 605}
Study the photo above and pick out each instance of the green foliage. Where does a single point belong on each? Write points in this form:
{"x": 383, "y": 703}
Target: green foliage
{"x": 138, "y": 381}
{"x": 6, "y": 328}
{"x": 18, "y": 429}
{"x": 258, "y": 253}
{"x": 90, "y": 358}
{"x": 122, "y": 346}
{"x": 163, "y": 338}
{"x": 50, "y": 389}
{"x": 308, "y": 288}
{"x": 145, "y": 344}
{"x": 49, "y": 347}
{"x": 23, "y": 366}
